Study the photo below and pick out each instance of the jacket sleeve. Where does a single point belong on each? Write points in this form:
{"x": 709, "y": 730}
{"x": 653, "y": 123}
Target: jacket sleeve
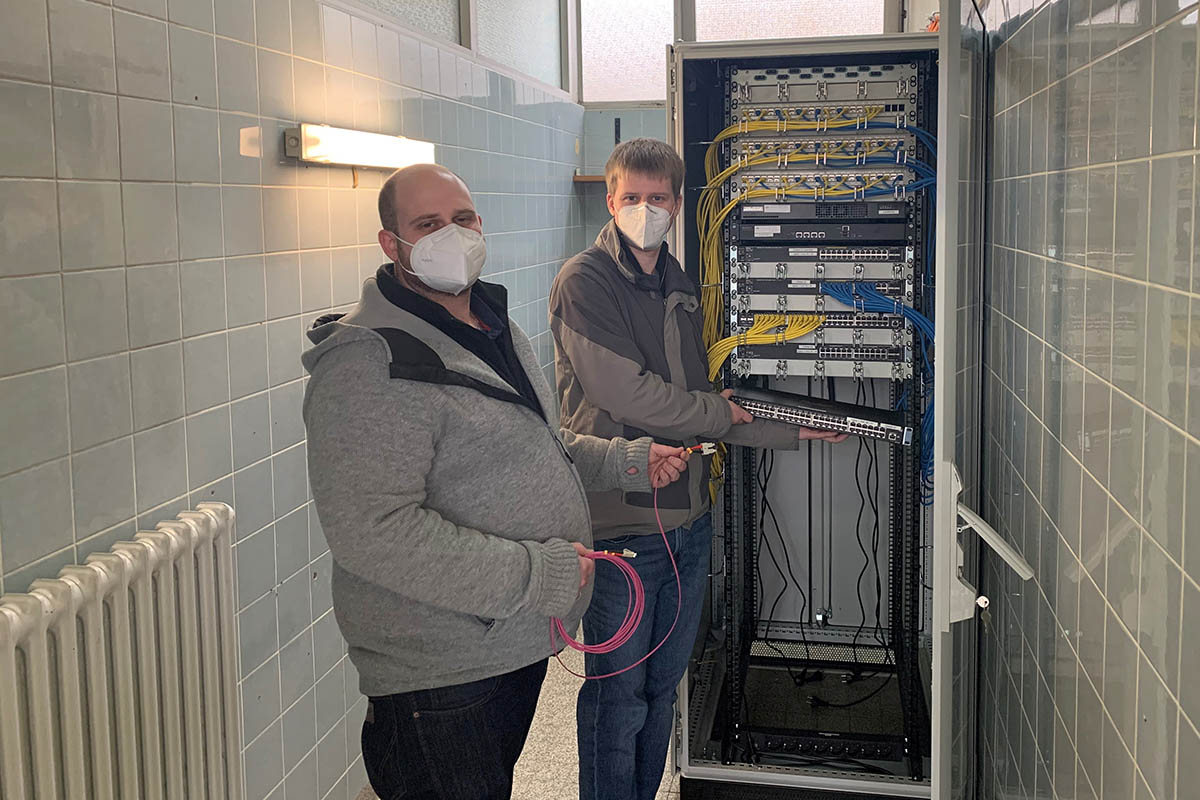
{"x": 605, "y": 464}
{"x": 764, "y": 433}
{"x": 367, "y": 468}
{"x": 599, "y": 347}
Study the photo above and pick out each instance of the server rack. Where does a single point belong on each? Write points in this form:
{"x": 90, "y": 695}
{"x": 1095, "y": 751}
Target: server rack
{"x": 811, "y": 166}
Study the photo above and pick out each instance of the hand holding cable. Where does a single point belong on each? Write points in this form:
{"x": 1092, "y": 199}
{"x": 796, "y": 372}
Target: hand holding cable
{"x": 633, "y": 614}
{"x": 666, "y": 464}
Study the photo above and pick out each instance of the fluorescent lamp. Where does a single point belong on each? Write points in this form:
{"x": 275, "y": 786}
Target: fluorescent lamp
{"x": 322, "y": 144}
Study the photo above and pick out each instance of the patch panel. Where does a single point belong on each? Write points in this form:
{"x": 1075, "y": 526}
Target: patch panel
{"x": 825, "y": 271}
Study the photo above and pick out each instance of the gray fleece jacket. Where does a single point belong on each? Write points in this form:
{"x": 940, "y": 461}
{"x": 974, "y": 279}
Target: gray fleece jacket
{"x": 448, "y": 502}
{"x": 631, "y": 362}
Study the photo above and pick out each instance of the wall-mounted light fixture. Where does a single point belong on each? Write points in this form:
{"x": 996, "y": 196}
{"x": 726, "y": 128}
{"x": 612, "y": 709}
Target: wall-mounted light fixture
{"x": 321, "y": 144}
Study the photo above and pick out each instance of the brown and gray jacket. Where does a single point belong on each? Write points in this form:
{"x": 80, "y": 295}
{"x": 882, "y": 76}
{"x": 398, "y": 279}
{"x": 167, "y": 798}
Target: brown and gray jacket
{"x": 631, "y": 362}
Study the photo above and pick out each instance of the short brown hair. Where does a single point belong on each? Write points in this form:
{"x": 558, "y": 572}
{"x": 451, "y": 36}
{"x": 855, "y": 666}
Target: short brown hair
{"x": 651, "y": 157}
{"x": 387, "y": 192}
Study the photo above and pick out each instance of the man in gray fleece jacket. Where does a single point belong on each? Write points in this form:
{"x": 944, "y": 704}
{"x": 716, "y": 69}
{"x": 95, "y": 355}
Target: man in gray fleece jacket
{"x": 454, "y": 506}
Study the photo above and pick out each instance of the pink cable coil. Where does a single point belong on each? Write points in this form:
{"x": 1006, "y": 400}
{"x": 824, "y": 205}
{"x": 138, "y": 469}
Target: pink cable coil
{"x": 633, "y": 614}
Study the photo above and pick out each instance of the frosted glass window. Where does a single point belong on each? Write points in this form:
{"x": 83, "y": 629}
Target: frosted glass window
{"x": 523, "y": 34}
{"x": 624, "y": 49}
{"x": 729, "y": 20}
{"x": 438, "y": 18}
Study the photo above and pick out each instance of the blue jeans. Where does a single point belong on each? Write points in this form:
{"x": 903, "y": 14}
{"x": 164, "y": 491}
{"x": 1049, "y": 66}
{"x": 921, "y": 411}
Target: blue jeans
{"x": 624, "y": 722}
{"x": 454, "y": 743}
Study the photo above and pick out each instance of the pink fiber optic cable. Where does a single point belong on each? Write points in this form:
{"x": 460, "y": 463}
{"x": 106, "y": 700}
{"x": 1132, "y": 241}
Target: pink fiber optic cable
{"x": 633, "y": 615}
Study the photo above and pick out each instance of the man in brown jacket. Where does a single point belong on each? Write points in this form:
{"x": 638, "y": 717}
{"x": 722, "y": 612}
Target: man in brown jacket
{"x": 631, "y": 362}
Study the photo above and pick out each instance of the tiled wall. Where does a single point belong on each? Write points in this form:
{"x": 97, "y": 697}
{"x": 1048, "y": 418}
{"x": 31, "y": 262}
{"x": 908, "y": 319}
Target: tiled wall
{"x": 159, "y": 262}
{"x": 1091, "y": 458}
{"x": 599, "y": 138}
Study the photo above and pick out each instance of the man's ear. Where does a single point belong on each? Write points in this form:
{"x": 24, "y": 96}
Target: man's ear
{"x": 390, "y": 245}
{"x": 612, "y": 205}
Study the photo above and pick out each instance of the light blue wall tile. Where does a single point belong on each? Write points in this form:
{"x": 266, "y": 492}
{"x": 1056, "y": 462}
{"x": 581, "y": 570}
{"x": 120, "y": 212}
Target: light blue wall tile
{"x": 331, "y": 758}
{"x": 322, "y": 575}
{"x": 253, "y": 493}
{"x": 160, "y": 460}
{"x": 295, "y": 603}
{"x": 18, "y": 580}
{"x": 260, "y": 699}
{"x": 296, "y": 667}
{"x": 331, "y": 699}
{"x": 299, "y": 731}
{"x": 287, "y": 425}
{"x": 205, "y": 372}
{"x": 264, "y": 763}
{"x": 255, "y": 556}
{"x": 103, "y": 487}
{"x": 258, "y": 633}
{"x": 100, "y": 400}
{"x": 251, "y": 421}
{"x": 202, "y": 291}
{"x": 284, "y": 345}
{"x": 37, "y": 503}
{"x": 248, "y": 361}
{"x": 328, "y": 647}
{"x": 209, "y": 447}
{"x": 291, "y": 545}
{"x": 290, "y": 480}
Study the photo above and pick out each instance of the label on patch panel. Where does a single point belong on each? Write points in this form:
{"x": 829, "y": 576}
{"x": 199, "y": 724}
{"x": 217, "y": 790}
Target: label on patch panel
{"x": 766, "y": 230}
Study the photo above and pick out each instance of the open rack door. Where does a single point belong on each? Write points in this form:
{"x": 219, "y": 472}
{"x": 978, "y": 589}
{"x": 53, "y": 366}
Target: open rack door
{"x": 954, "y": 651}
{"x": 962, "y": 211}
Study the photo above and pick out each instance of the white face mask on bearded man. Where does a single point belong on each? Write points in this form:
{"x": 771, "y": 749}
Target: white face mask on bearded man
{"x": 448, "y": 260}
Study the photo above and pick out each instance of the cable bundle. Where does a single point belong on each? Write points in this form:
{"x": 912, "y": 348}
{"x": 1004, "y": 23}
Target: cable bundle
{"x": 633, "y": 614}
{"x": 766, "y": 329}
{"x": 865, "y": 297}
{"x": 711, "y": 214}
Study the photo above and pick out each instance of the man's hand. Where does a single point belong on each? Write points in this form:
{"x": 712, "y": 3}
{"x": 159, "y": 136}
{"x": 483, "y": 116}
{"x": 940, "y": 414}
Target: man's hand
{"x": 740, "y": 415}
{"x": 812, "y": 434}
{"x": 666, "y": 464}
{"x": 586, "y": 566}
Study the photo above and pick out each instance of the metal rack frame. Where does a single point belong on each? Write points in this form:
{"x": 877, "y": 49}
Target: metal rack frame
{"x": 905, "y": 521}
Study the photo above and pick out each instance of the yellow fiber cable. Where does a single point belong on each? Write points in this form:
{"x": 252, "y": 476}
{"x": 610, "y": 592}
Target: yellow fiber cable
{"x": 767, "y": 329}
{"x": 710, "y": 215}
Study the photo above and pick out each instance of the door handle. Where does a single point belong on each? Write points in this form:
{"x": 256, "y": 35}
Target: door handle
{"x": 964, "y": 598}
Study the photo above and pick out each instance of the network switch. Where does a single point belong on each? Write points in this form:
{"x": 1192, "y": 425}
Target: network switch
{"x": 822, "y": 414}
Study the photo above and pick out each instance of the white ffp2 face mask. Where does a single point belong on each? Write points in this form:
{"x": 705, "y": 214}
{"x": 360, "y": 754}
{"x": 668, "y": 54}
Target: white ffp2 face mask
{"x": 644, "y": 225}
{"x": 449, "y": 259}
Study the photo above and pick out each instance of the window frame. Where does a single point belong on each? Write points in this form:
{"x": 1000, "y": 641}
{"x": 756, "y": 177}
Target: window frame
{"x": 894, "y": 12}
{"x": 468, "y": 42}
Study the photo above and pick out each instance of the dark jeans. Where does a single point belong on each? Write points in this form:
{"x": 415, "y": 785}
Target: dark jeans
{"x": 454, "y": 743}
{"x": 624, "y": 722}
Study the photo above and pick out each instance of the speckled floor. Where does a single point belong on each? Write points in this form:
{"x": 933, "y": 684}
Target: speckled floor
{"x": 548, "y": 768}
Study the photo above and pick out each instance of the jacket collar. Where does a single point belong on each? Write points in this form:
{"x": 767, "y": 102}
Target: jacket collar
{"x": 376, "y": 312}
{"x": 669, "y": 277}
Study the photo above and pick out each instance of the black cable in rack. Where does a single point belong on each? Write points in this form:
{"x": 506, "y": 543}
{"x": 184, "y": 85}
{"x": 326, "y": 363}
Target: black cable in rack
{"x": 873, "y": 495}
{"x": 767, "y": 467}
{"x": 862, "y": 507}
{"x": 764, "y": 476}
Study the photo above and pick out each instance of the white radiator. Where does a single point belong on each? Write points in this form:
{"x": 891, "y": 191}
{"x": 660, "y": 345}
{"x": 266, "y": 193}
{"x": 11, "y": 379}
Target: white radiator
{"x": 118, "y": 678}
